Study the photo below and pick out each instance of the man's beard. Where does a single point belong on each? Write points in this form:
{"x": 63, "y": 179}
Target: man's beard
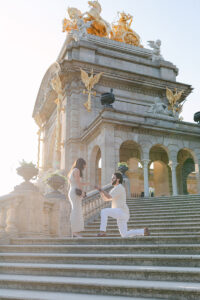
{"x": 114, "y": 182}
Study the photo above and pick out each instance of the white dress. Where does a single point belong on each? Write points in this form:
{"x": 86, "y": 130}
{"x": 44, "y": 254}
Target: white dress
{"x": 76, "y": 216}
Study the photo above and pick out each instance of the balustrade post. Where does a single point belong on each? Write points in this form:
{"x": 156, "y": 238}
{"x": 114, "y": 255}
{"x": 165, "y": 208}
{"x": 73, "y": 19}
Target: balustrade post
{"x": 3, "y": 214}
{"x": 46, "y": 209}
{"x": 11, "y": 227}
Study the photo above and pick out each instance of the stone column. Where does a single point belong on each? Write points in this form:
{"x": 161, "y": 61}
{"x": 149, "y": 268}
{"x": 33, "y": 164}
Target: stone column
{"x": 173, "y": 166}
{"x": 108, "y": 153}
{"x": 198, "y": 176}
{"x": 146, "y": 177}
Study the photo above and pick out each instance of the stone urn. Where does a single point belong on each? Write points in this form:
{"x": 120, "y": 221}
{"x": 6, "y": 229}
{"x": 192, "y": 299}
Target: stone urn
{"x": 123, "y": 169}
{"x": 27, "y": 171}
{"x": 107, "y": 99}
{"x": 197, "y": 117}
{"x": 56, "y": 181}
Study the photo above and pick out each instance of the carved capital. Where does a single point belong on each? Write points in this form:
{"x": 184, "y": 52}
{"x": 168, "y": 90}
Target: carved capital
{"x": 145, "y": 162}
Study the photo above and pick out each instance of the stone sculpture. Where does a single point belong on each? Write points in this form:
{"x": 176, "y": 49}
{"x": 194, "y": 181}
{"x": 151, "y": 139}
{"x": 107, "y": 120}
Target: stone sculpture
{"x": 89, "y": 82}
{"x": 156, "y": 50}
{"x": 158, "y": 107}
{"x": 122, "y": 31}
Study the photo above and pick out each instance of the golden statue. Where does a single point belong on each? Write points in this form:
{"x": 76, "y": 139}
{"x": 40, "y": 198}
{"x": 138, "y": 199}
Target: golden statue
{"x": 74, "y": 15}
{"x": 96, "y": 24}
{"x": 122, "y": 31}
{"x": 173, "y": 98}
{"x": 99, "y": 26}
{"x": 89, "y": 84}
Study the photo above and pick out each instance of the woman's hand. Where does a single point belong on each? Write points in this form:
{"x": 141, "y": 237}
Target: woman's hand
{"x": 84, "y": 194}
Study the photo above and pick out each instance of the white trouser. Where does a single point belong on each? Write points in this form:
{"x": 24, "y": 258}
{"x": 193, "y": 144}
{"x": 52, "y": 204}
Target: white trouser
{"x": 122, "y": 219}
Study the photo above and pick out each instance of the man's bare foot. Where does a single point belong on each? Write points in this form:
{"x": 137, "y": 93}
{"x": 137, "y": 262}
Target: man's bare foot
{"x": 101, "y": 234}
{"x": 146, "y": 231}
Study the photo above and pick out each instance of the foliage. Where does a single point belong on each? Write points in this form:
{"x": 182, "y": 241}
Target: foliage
{"x": 54, "y": 175}
{"x": 122, "y": 164}
{"x": 24, "y": 163}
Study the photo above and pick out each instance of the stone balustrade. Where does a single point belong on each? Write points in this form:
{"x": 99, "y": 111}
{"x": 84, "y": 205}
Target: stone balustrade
{"x": 93, "y": 204}
{"x": 26, "y": 212}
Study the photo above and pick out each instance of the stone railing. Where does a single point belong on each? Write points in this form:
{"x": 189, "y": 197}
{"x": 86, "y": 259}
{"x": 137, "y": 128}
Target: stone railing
{"x": 93, "y": 204}
{"x": 26, "y": 212}
{"x": 8, "y": 209}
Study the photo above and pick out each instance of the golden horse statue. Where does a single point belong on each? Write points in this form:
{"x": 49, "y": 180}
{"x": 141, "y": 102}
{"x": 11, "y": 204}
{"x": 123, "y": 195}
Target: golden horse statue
{"x": 122, "y": 31}
{"x": 99, "y": 26}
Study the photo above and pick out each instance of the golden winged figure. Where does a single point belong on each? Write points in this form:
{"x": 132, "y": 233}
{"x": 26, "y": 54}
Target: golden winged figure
{"x": 89, "y": 82}
{"x": 173, "y": 100}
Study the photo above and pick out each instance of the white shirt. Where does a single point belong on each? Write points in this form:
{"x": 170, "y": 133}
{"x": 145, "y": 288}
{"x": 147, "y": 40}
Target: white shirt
{"x": 118, "y": 194}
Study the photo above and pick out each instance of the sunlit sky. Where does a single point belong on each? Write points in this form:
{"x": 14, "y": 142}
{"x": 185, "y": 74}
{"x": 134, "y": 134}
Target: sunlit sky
{"x": 31, "y": 38}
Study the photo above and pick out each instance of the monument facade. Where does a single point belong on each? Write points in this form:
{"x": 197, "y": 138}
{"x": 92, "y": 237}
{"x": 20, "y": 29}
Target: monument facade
{"x": 142, "y": 127}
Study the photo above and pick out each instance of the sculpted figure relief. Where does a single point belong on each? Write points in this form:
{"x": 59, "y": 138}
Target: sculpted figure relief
{"x": 99, "y": 26}
{"x": 156, "y": 50}
{"x": 158, "y": 107}
{"x": 89, "y": 22}
{"x": 122, "y": 31}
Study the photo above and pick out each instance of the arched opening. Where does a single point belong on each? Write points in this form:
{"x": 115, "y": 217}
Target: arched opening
{"x": 130, "y": 153}
{"x": 95, "y": 167}
{"x": 186, "y": 175}
{"x": 159, "y": 172}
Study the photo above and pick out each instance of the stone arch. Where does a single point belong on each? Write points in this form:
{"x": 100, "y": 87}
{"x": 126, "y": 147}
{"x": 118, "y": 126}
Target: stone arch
{"x": 130, "y": 152}
{"x": 160, "y": 182}
{"x": 95, "y": 166}
{"x": 186, "y": 172}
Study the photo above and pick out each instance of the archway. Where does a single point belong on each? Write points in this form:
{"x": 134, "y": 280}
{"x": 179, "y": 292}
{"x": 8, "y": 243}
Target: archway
{"x": 130, "y": 153}
{"x": 186, "y": 175}
{"x": 159, "y": 172}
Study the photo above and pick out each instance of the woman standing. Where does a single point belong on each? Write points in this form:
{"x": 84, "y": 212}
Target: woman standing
{"x": 74, "y": 179}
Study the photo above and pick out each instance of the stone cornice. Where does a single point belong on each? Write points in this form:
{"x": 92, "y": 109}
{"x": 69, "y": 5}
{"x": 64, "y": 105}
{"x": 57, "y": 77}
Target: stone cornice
{"x": 127, "y": 80}
{"x": 140, "y": 123}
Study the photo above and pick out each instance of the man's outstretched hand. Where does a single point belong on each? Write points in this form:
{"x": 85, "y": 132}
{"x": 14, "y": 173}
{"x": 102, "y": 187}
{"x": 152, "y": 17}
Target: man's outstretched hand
{"x": 97, "y": 187}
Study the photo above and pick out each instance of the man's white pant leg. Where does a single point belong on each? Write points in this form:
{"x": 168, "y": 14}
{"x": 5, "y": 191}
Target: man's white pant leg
{"x": 115, "y": 213}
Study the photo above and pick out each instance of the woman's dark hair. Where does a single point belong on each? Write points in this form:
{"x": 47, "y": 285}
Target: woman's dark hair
{"x": 119, "y": 176}
{"x": 79, "y": 164}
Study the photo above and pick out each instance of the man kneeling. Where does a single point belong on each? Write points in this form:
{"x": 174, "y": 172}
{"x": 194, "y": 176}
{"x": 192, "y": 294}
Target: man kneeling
{"x": 119, "y": 210}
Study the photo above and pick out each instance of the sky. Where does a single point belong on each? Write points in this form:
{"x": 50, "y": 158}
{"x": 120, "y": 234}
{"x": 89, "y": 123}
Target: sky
{"x": 31, "y": 39}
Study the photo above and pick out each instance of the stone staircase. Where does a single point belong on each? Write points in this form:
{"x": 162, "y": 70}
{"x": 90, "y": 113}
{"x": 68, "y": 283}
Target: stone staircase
{"x": 165, "y": 265}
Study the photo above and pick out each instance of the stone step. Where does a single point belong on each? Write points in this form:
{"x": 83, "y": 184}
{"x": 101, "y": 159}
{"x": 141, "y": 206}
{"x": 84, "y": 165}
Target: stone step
{"x": 165, "y": 198}
{"x": 104, "y": 259}
{"x": 117, "y": 287}
{"x": 165, "y": 213}
{"x": 104, "y": 271}
{"x": 164, "y": 216}
{"x": 100, "y": 249}
{"x": 163, "y": 203}
{"x": 163, "y": 210}
{"x": 13, "y": 294}
{"x": 160, "y": 234}
{"x": 150, "y": 225}
{"x": 154, "y": 230}
{"x": 186, "y": 219}
{"x": 191, "y": 240}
